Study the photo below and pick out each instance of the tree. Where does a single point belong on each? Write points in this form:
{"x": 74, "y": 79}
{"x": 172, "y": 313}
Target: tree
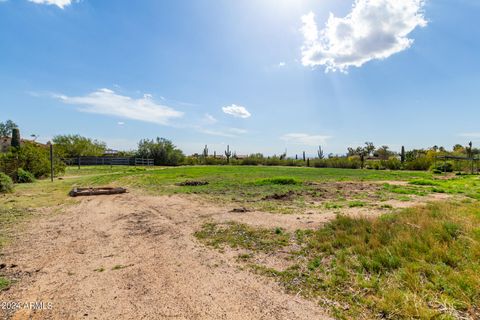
{"x": 383, "y": 153}
{"x": 369, "y": 148}
{"x": 161, "y": 150}
{"x": 75, "y": 146}
{"x": 458, "y": 148}
{"x": 16, "y": 141}
{"x": 72, "y": 146}
{"x": 6, "y": 128}
{"x": 362, "y": 152}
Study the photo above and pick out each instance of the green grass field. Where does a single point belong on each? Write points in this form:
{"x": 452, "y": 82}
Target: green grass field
{"x": 422, "y": 262}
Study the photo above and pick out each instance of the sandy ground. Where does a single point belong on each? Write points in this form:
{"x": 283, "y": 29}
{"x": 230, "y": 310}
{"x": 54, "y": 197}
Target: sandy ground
{"x": 135, "y": 257}
{"x": 165, "y": 273}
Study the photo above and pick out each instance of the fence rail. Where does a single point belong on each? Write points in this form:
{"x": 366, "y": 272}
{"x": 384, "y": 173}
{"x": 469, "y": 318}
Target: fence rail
{"x": 108, "y": 161}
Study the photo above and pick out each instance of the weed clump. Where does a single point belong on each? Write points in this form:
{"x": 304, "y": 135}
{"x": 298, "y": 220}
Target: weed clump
{"x": 24, "y": 176}
{"x": 284, "y": 181}
{"x": 6, "y": 183}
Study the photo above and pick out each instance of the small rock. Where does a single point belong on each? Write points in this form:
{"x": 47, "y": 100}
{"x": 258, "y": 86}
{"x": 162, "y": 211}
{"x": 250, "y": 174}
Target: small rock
{"x": 239, "y": 210}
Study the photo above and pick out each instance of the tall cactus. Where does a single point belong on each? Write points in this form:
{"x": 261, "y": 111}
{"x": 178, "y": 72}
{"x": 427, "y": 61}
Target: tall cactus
{"x": 402, "y": 155}
{"x": 228, "y": 153}
{"x": 15, "y": 138}
{"x": 320, "y": 153}
{"x": 205, "y": 154}
{"x": 304, "y": 157}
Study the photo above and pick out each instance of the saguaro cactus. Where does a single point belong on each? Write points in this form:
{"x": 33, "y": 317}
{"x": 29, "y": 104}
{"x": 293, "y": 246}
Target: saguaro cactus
{"x": 304, "y": 157}
{"x": 228, "y": 153}
{"x": 320, "y": 153}
{"x": 402, "y": 155}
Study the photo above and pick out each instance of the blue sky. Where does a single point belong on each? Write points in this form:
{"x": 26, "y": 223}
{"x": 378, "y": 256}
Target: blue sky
{"x": 261, "y": 76}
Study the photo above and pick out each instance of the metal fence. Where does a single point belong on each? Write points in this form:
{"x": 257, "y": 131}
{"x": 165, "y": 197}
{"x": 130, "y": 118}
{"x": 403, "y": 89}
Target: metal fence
{"x": 108, "y": 161}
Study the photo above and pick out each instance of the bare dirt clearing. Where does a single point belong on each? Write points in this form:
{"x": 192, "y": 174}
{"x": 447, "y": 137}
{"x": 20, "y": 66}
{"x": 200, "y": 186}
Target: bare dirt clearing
{"x": 129, "y": 257}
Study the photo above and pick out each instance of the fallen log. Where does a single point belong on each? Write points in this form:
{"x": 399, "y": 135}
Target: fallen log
{"x": 76, "y": 192}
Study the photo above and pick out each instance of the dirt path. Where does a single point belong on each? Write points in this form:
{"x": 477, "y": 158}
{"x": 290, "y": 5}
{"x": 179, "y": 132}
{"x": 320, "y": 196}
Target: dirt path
{"x": 148, "y": 266}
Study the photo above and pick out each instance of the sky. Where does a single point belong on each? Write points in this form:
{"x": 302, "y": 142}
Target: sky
{"x": 258, "y": 75}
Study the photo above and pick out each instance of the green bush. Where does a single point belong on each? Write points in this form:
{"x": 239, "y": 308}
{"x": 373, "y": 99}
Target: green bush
{"x": 338, "y": 162}
{"x": 33, "y": 158}
{"x": 421, "y": 164}
{"x": 6, "y": 183}
{"x": 24, "y": 176}
{"x": 442, "y": 167}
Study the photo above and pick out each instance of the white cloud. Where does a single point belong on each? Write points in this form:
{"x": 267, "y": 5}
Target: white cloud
{"x": 59, "y": 3}
{"x": 282, "y": 64}
{"x": 107, "y": 102}
{"x": 373, "y": 30}
{"x": 237, "y": 111}
{"x": 121, "y": 123}
{"x": 305, "y": 139}
{"x": 209, "y": 119}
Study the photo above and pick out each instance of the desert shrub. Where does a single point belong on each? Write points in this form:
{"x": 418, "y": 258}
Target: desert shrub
{"x": 338, "y": 162}
{"x": 392, "y": 164}
{"x": 374, "y": 165}
{"x": 278, "y": 181}
{"x": 211, "y": 161}
{"x": 6, "y": 183}
{"x": 421, "y": 163}
{"x": 442, "y": 167}
{"x": 252, "y": 161}
{"x": 33, "y": 158}
{"x": 273, "y": 161}
{"x": 24, "y": 176}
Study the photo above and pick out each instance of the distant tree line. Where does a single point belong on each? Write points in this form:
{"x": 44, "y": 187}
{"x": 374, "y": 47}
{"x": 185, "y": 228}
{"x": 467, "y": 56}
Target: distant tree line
{"x": 33, "y": 156}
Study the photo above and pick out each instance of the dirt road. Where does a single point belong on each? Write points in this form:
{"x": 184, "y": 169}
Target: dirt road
{"x": 130, "y": 257}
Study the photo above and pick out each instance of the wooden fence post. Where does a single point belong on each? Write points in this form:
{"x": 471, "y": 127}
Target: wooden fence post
{"x": 51, "y": 161}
